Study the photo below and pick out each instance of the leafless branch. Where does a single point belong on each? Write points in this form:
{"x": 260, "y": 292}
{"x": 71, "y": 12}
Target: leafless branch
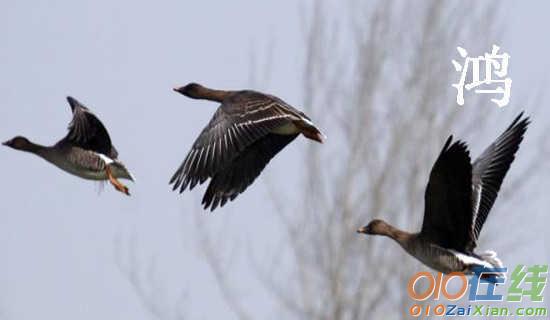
{"x": 378, "y": 80}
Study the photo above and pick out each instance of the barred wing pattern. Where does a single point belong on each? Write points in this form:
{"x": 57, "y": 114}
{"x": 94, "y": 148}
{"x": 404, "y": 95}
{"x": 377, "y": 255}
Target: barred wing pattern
{"x": 490, "y": 169}
{"x": 222, "y": 147}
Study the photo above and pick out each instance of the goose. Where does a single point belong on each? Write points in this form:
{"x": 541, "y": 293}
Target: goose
{"x": 247, "y": 130}
{"x": 86, "y": 151}
{"x": 458, "y": 199}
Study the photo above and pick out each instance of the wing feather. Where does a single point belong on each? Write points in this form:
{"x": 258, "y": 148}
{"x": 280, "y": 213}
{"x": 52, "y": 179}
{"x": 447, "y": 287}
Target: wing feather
{"x": 234, "y": 178}
{"x": 490, "y": 169}
{"x": 448, "y": 204}
{"x": 227, "y": 135}
{"x": 87, "y": 132}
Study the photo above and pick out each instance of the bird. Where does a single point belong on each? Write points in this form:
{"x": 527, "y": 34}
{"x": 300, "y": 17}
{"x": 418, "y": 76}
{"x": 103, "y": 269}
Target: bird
{"x": 247, "y": 130}
{"x": 86, "y": 151}
{"x": 458, "y": 199}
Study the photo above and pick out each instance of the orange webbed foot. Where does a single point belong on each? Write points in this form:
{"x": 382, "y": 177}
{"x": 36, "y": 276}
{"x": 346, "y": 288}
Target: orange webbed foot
{"x": 117, "y": 184}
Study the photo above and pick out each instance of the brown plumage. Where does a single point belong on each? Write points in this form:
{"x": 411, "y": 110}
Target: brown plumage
{"x": 86, "y": 151}
{"x": 458, "y": 199}
{"x": 248, "y": 129}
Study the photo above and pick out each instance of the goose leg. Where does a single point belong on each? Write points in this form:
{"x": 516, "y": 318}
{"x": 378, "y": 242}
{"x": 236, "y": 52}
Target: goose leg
{"x": 114, "y": 181}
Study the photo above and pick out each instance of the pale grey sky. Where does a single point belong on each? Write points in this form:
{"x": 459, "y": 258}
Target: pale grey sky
{"x": 58, "y": 236}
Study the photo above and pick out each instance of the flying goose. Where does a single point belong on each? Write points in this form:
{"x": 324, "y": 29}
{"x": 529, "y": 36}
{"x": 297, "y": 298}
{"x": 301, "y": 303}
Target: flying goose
{"x": 247, "y": 130}
{"x": 86, "y": 151}
{"x": 458, "y": 199}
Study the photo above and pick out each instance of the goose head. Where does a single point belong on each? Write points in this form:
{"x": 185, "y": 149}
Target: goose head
{"x": 19, "y": 143}
{"x": 191, "y": 90}
{"x": 375, "y": 227}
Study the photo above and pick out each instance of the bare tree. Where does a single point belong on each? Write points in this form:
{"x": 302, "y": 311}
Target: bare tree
{"x": 378, "y": 79}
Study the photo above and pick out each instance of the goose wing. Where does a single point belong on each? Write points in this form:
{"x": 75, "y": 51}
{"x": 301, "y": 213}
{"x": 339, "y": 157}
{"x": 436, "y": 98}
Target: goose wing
{"x": 490, "y": 168}
{"x": 87, "y": 132}
{"x": 448, "y": 198}
{"x": 239, "y": 122}
{"x": 237, "y": 175}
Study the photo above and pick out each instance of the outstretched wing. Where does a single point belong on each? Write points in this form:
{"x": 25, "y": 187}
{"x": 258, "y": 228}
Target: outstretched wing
{"x": 448, "y": 204}
{"x": 236, "y": 125}
{"x": 491, "y": 167}
{"x": 87, "y": 132}
{"x": 235, "y": 177}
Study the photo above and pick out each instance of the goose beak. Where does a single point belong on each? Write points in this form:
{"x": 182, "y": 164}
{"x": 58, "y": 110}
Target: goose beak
{"x": 177, "y": 89}
{"x": 5, "y": 143}
{"x": 362, "y": 230}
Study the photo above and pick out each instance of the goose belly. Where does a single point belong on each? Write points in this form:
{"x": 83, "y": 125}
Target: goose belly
{"x": 90, "y": 172}
{"x": 82, "y": 172}
{"x": 439, "y": 259}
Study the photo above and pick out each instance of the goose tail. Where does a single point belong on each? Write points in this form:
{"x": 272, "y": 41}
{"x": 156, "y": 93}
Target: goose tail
{"x": 491, "y": 258}
{"x": 310, "y": 131}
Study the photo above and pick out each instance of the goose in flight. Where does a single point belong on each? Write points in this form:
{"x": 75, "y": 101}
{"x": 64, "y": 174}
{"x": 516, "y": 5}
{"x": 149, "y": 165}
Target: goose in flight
{"x": 458, "y": 199}
{"x": 86, "y": 151}
{"x": 247, "y": 130}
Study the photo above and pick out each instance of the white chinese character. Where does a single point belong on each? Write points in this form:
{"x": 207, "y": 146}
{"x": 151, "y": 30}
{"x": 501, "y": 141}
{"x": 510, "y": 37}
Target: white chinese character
{"x": 496, "y": 64}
